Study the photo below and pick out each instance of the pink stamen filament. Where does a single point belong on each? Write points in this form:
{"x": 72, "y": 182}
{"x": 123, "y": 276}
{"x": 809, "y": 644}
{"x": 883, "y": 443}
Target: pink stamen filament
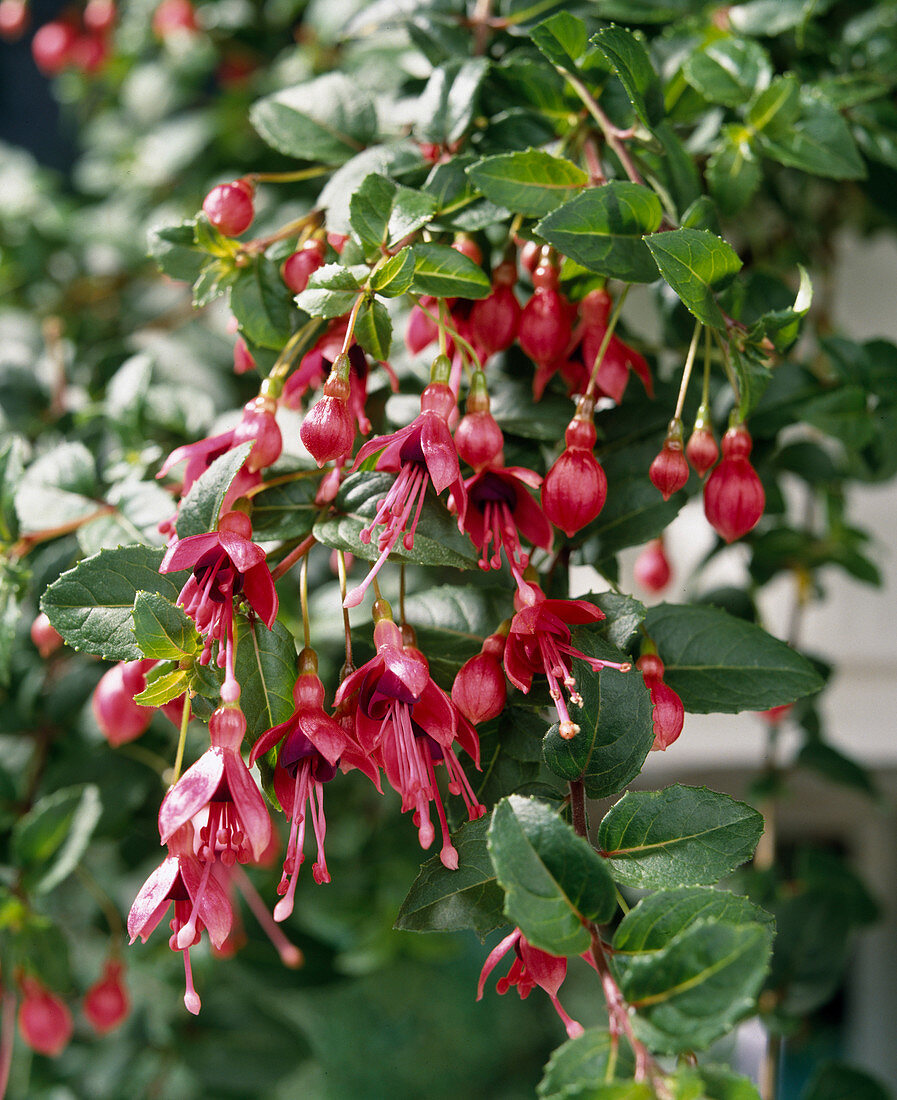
{"x": 191, "y": 997}
{"x": 290, "y": 954}
{"x": 294, "y": 855}
{"x": 449, "y": 853}
{"x": 187, "y": 933}
{"x": 316, "y": 806}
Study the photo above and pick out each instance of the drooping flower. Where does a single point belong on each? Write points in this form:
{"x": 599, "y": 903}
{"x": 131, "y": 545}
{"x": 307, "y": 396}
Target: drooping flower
{"x": 669, "y": 470}
{"x": 422, "y": 453}
{"x": 409, "y": 724}
{"x": 669, "y": 713}
{"x": 199, "y": 903}
{"x": 328, "y": 431}
{"x": 495, "y": 319}
{"x": 106, "y": 1003}
{"x": 499, "y": 510}
{"x": 531, "y": 967}
{"x": 45, "y": 636}
{"x": 478, "y": 438}
{"x": 652, "y": 569}
{"x": 733, "y": 496}
{"x": 225, "y": 564}
{"x": 545, "y": 325}
{"x": 45, "y": 1022}
{"x": 618, "y": 359}
{"x": 539, "y": 642}
{"x": 121, "y": 719}
{"x": 238, "y": 827}
{"x": 701, "y": 449}
{"x": 312, "y": 745}
{"x": 575, "y": 488}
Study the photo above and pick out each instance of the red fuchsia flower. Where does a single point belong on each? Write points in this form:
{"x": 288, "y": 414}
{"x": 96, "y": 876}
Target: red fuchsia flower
{"x": 618, "y": 359}
{"x": 225, "y": 564}
{"x": 409, "y": 724}
{"x": 259, "y": 426}
{"x": 539, "y": 642}
{"x": 499, "y": 510}
{"x": 575, "y": 488}
{"x": 328, "y": 430}
{"x": 494, "y": 320}
{"x": 106, "y": 1003}
{"x": 669, "y": 470}
{"x": 45, "y": 1022}
{"x": 733, "y": 496}
{"x": 478, "y": 438}
{"x": 238, "y": 827}
{"x": 45, "y": 636}
{"x": 479, "y": 691}
{"x": 244, "y": 361}
{"x": 120, "y": 719}
{"x": 652, "y": 569}
{"x": 545, "y": 325}
{"x": 199, "y": 903}
{"x": 312, "y": 745}
{"x": 669, "y": 713}
{"x": 701, "y": 449}
{"x": 531, "y": 967}
{"x": 422, "y": 453}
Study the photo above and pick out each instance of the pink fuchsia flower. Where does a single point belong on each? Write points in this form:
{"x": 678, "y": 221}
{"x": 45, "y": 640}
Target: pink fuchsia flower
{"x": 45, "y": 1022}
{"x": 701, "y": 449}
{"x": 106, "y": 1003}
{"x": 545, "y": 325}
{"x": 499, "y": 510}
{"x": 328, "y": 431}
{"x": 478, "y": 438}
{"x": 409, "y": 724}
{"x": 422, "y": 453}
{"x": 238, "y": 827}
{"x": 669, "y": 470}
{"x": 652, "y": 568}
{"x": 539, "y": 642}
{"x": 479, "y": 691}
{"x": 618, "y": 360}
{"x": 312, "y": 745}
{"x": 225, "y": 564}
{"x": 575, "y": 488}
{"x": 733, "y": 496}
{"x": 199, "y": 903}
{"x": 531, "y": 967}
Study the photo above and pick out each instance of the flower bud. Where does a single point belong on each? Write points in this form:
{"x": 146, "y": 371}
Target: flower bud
{"x": 544, "y": 328}
{"x": 669, "y": 470}
{"x": 120, "y": 719}
{"x": 669, "y": 713}
{"x": 652, "y": 570}
{"x": 13, "y": 19}
{"x": 422, "y": 330}
{"x": 478, "y": 438}
{"x": 327, "y": 431}
{"x": 45, "y": 636}
{"x": 45, "y": 1022}
{"x": 494, "y": 320}
{"x": 106, "y": 1003}
{"x": 229, "y": 207}
{"x": 733, "y": 496}
{"x": 298, "y": 268}
{"x": 479, "y": 691}
{"x": 260, "y": 425}
{"x": 575, "y": 488}
{"x": 243, "y": 359}
{"x": 701, "y": 449}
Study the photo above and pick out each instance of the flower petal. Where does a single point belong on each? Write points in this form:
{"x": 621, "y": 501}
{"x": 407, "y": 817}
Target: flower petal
{"x": 259, "y": 590}
{"x": 191, "y": 792}
{"x": 214, "y": 909}
{"x": 243, "y": 552}
{"x": 249, "y": 803}
{"x": 185, "y": 553}
{"x": 492, "y": 959}
{"x": 152, "y": 900}
{"x": 440, "y": 453}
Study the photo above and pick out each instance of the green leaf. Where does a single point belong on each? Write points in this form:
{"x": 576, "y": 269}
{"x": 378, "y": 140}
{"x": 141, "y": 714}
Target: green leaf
{"x": 90, "y": 605}
{"x": 13, "y": 585}
{"x": 773, "y": 17}
{"x": 720, "y": 1083}
{"x": 445, "y": 272}
{"x": 679, "y": 836}
{"x": 162, "y": 629}
{"x": 176, "y": 252}
{"x": 632, "y": 65}
{"x": 332, "y": 290}
{"x": 776, "y": 109}
{"x": 57, "y": 488}
{"x": 842, "y": 414}
{"x": 510, "y": 754}
{"x": 634, "y": 511}
{"x": 836, "y": 767}
{"x": 449, "y": 901}
{"x": 532, "y": 182}
{"x": 664, "y": 914}
{"x": 51, "y": 838}
{"x": 693, "y": 990}
{"x": 266, "y": 670}
{"x": 616, "y": 723}
{"x": 393, "y": 277}
{"x": 584, "y": 1062}
{"x": 328, "y": 119}
{"x": 162, "y": 686}
{"x": 12, "y": 466}
{"x": 262, "y": 304}
{"x": 563, "y": 38}
{"x": 448, "y": 104}
{"x": 603, "y": 227}
{"x": 728, "y": 70}
{"x": 835, "y": 1081}
{"x": 201, "y": 507}
{"x": 214, "y": 279}
{"x": 437, "y": 540}
{"x": 383, "y": 212}
{"x": 373, "y": 329}
{"x": 717, "y": 663}
{"x": 733, "y": 171}
{"x": 623, "y": 616}
{"x": 552, "y": 878}
{"x": 286, "y": 511}
{"x": 819, "y": 142}
{"x": 782, "y": 326}
{"x": 140, "y": 506}
{"x": 451, "y": 620}
{"x": 693, "y": 262}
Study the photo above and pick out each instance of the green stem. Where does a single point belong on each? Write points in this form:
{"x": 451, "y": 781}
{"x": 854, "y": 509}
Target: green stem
{"x": 611, "y": 134}
{"x": 686, "y": 373}
{"x": 182, "y": 739}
